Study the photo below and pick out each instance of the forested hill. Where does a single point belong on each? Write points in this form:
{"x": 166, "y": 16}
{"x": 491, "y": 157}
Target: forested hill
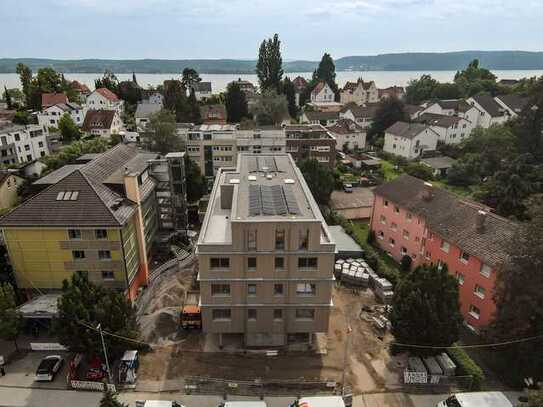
{"x": 426, "y": 61}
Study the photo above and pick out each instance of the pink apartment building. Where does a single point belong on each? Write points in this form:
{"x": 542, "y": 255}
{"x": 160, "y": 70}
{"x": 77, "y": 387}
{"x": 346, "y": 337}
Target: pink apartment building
{"x": 432, "y": 225}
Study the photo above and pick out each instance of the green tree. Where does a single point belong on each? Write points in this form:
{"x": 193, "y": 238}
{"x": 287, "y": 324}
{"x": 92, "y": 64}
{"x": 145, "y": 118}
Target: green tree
{"x": 196, "y": 181}
{"x": 289, "y": 90}
{"x": 319, "y": 178}
{"x": 465, "y": 172}
{"x": 236, "y": 103}
{"x": 25, "y": 76}
{"x": 70, "y": 152}
{"x": 11, "y": 320}
{"x": 420, "y": 90}
{"x": 326, "y": 71}
{"x": 269, "y": 67}
{"x": 129, "y": 91}
{"x": 109, "y": 81}
{"x": 189, "y": 77}
{"x": 82, "y": 306}
{"x": 175, "y": 100}
{"x": 270, "y": 108}
{"x": 21, "y": 117}
{"x": 48, "y": 80}
{"x": 68, "y": 129}
{"x": 7, "y": 98}
{"x": 425, "y": 308}
{"x": 419, "y": 170}
{"x": 109, "y": 399}
{"x": 162, "y": 136}
{"x": 519, "y": 314}
{"x": 194, "y": 109}
{"x": 474, "y": 80}
{"x": 389, "y": 111}
{"x": 447, "y": 91}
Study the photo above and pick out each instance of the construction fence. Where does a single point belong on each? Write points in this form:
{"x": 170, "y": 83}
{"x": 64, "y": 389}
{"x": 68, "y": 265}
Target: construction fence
{"x": 206, "y": 385}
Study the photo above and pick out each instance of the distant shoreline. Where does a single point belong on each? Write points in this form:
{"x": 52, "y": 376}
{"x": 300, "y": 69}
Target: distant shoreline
{"x": 419, "y": 61}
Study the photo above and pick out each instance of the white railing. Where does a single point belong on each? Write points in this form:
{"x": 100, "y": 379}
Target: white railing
{"x": 94, "y": 386}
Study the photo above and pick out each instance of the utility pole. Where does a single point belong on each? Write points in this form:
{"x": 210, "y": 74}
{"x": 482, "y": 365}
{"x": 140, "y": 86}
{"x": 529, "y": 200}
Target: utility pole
{"x": 345, "y": 358}
{"x": 99, "y": 327}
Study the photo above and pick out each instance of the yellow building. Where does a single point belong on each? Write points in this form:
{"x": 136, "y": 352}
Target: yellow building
{"x": 97, "y": 218}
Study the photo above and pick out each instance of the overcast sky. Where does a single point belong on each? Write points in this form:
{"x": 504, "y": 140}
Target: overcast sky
{"x": 180, "y": 29}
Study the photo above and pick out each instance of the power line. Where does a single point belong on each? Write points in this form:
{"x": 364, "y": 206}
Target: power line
{"x": 482, "y": 345}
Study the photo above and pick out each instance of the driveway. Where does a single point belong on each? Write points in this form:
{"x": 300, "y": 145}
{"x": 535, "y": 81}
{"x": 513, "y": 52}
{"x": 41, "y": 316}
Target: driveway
{"x": 20, "y": 372}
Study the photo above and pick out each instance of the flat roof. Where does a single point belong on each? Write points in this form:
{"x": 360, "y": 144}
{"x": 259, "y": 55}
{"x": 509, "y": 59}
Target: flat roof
{"x": 43, "y": 306}
{"x": 344, "y": 242}
{"x": 360, "y": 197}
{"x": 263, "y": 187}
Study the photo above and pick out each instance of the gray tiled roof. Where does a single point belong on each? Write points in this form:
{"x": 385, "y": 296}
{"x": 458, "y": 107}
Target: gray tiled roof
{"x": 311, "y": 116}
{"x": 439, "y": 120}
{"x": 145, "y": 110}
{"x": 439, "y": 162}
{"x": 96, "y": 205}
{"x": 514, "y": 102}
{"x": 453, "y": 218}
{"x": 406, "y": 130}
{"x": 488, "y": 103}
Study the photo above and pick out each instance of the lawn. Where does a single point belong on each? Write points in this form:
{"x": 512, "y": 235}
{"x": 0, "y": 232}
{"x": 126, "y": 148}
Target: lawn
{"x": 389, "y": 172}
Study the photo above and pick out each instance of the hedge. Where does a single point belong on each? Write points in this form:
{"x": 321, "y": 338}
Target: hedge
{"x": 467, "y": 366}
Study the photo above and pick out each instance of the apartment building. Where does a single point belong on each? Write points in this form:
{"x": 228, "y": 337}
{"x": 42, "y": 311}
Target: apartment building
{"x": 21, "y": 144}
{"x": 98, "y": 217}
{"x": 217, "y": 146}
{"x": 431, "y": 225}
{"x": 50, "y": 116}
{"x": 312, "y": 141}
{"x": 265, "y": 255}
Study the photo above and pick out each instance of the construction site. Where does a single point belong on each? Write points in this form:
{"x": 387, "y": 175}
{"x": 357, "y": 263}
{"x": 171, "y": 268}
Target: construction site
{"x": 354, "y": 346}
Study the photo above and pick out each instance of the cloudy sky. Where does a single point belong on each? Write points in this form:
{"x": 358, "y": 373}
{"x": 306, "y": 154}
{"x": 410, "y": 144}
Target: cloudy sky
{"x": 178, "y": 29}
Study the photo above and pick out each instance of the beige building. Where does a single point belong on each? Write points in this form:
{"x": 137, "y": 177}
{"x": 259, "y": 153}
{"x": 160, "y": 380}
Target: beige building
{"x": 265, "y": 255}
{"x": 9, "y": 184}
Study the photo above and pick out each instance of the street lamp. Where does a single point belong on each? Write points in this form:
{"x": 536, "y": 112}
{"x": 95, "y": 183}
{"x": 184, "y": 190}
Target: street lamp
{"x": 99, "y": 327}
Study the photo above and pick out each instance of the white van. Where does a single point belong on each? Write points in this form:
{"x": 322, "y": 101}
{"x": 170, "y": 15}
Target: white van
{"x": 324, "y": 401}
{"x": 243, "y": 404}
{"x": 477, "y": 399}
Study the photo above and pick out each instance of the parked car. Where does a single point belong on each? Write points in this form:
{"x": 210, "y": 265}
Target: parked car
{"x": 348, "y": 187}
{"x": 48, "y": 368}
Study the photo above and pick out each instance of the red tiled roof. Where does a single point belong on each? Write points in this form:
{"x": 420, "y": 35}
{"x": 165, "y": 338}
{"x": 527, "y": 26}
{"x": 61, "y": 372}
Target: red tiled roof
{"x": 105, "y": 92}
{"x": 320, "y": 86}
{"x": 299, "y": 83}
{"x": 51, "y": 99}
{"x": 80, "y": 87}
{"x": 98, "y": 119}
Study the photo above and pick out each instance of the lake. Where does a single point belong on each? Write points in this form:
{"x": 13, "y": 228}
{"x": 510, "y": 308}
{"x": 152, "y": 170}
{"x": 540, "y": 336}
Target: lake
{"x": 383, "y": 79}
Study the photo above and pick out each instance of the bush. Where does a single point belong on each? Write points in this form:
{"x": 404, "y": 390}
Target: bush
{"x": 467, "y": 367}
{"x": 405, "y": 264}
{"x": 371, "y": 237}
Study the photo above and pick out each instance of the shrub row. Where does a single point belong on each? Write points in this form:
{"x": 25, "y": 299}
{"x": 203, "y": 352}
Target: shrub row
{"x": 466, "y": 366}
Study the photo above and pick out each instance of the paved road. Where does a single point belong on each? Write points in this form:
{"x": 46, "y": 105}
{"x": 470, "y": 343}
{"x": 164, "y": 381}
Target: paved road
{"x": 25, "y": 397}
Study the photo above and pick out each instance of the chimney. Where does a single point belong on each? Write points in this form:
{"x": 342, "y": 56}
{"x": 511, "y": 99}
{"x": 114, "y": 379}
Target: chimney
{"x": 428, "y": 191}
{"x": 480, "y": 222}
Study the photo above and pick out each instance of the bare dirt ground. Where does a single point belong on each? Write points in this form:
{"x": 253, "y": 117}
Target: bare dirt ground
{"x": 178, "y": 354}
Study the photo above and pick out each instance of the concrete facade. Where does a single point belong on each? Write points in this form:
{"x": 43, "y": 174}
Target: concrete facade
{"x": 265, "y": 277}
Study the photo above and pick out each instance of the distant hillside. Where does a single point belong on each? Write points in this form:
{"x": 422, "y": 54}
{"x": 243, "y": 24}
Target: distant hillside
{"x": 421, "y": 61}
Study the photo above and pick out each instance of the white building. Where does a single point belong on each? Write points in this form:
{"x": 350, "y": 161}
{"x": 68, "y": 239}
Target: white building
{"x": 348, "y": 133}
{"x": 409, "y": 140}
{"x": 359, "y": 92}
{"x": 21, "y": 144}
{"x": 202, "y": 90}
{"x": 215, "y": 146}
{"x": 453, "y": 107}
{"x": 104, "y": 99}
{"x": 490, "y": 111}
{"x": 362, "y": 115}
{"x": 152, "y": 96}
{"x": 50, "y": 117}
{"x": 450, "y": 129}
{"x": 102, "y": 123}
{"x": 513, "y": 104}
{"x": 322, "y": 93}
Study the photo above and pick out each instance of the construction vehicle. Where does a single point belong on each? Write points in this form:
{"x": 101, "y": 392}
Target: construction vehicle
{"x": 191, "y": 316}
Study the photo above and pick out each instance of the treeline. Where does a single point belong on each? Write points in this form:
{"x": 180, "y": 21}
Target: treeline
{"x": 386, "y": 62}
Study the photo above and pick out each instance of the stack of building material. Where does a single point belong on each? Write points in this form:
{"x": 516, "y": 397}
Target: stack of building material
{"x": 446, "y": 364}
{"x": 433, "y": 367}
{"x": 353, "y": 271}
{"x": 415, "y": 364}
{"x": 383, "y": 290}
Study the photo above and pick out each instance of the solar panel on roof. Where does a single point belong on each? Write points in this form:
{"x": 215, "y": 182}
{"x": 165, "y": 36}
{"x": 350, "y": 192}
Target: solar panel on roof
{"x": 255, "y": 205}
{"x": 252, "y": 164}
{"x": 290, "y": 199}
{"x": 268, "y": 206}
{"x": 278, "y": 200}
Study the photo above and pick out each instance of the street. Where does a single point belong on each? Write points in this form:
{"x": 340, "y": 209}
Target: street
{"x": 25, "y": 397}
